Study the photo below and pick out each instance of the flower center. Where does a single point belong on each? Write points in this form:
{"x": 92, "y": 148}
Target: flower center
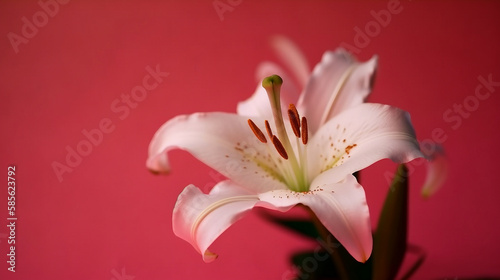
{"x": 294, "y": 169}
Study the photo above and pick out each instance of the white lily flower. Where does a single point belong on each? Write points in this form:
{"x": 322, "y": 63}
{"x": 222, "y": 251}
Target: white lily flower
{"x": 308, "y": 160}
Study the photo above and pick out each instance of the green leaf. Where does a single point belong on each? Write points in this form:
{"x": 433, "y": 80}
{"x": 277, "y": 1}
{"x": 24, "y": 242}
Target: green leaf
{"x": 302, "y": 226}
{"x": 389, "y": 246}
{"x": 314, "y": 265}
{"x": 318, "y": 264}
{"x": 420, "y": 253}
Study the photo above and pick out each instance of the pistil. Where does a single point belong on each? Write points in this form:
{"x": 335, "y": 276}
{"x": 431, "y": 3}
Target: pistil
{"x": 294, "y": 168}
{"x": 272, "y": 85}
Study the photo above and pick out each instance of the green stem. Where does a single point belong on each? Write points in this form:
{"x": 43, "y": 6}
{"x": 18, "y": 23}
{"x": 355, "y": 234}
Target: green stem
{"x": 326, "y": 235}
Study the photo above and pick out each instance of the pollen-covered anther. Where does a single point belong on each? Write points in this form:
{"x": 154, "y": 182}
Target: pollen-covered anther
{"x": 294, "y": 118}
{"x": 269, "y": 130}
{"x": 256, "y": 130}
{"x": 279, "y": 147}
{"x": 305, "y": 134}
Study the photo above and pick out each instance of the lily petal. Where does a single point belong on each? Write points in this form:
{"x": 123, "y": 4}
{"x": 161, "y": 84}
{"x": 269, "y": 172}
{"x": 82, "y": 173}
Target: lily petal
{"x": 222, "y": 141}
{"x": 258, "y": 104}
{"x": 200, "y": 218}
{"x": 341, "y": 207}
{"x": 338, "y": 82}
{"x": 292, "y": 57}
{"x": 437, "y": 170}
{"x": 361, "y": 136}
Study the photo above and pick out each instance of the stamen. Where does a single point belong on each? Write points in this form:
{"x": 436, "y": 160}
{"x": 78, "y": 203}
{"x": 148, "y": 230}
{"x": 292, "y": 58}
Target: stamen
{"x": 305, "y": 135}
{"x": 256, "y": 130}
{"x": 269, "y": 131}
{"x": 279, "y": 147}
{"x": 294, "y": 118}
{"x": 292, "y": 107}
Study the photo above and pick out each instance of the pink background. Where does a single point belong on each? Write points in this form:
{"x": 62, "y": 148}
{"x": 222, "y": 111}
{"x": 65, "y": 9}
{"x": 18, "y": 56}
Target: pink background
{"x": 109, "y": 217}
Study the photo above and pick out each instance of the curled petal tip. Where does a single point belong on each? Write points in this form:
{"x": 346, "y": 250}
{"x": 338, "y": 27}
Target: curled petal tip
{"x": 363, "y": 260}
{"x": 158, "y": 172}
{"x": 364, "y": 254}
{"x": 158, "y": 164}
{"x": 209, "y": 257}
{"x": 425, "y": 194}
{"x": 437, "y": 171}
{"x": 154, "y": 172}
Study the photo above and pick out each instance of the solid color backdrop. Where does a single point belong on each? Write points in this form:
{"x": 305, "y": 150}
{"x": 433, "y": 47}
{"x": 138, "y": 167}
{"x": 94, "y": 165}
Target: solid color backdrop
{"x": 67, "y": 68}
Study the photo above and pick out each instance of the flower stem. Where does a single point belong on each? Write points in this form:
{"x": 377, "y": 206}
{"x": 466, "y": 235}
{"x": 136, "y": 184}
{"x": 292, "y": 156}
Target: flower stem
{"x": 337, "y": 260}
